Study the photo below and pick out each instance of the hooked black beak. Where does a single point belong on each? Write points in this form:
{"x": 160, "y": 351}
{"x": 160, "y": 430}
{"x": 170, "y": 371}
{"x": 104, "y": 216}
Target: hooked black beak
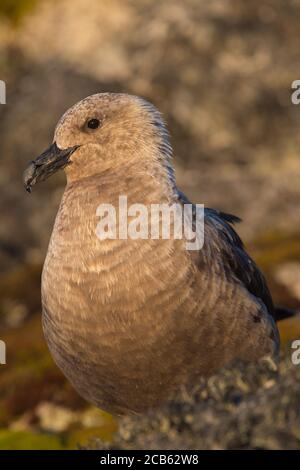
{"x": 46, "y": 164}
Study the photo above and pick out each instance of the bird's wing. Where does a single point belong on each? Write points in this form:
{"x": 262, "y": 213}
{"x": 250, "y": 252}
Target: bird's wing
{"x": 223, "y": 245}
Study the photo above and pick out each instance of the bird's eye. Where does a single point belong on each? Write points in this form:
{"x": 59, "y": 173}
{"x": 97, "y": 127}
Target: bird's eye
{"x": 93, "y": 123}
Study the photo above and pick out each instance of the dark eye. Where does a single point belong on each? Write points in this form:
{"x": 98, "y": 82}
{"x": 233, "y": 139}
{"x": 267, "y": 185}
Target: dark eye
{"x": 93, "y": 123}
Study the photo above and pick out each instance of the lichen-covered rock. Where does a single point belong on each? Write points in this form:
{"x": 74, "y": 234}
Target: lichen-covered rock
{"x": 244, "y": 406}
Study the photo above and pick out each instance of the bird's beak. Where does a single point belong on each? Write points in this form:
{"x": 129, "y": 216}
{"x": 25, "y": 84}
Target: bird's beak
{"x": 46, "y": 164}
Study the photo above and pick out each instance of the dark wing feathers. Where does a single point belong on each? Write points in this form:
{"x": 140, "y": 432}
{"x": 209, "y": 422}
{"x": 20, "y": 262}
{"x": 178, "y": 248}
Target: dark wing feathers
{"x": 226, "y": 247}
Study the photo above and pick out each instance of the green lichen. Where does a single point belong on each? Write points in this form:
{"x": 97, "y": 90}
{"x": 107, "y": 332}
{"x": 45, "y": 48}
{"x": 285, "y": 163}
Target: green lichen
{"x": 275, "y": 247}
{"x": 15, "y": 10}
{"x": 21, "y": 440}
{"x": 23, "y": 286}
{"x": 85, "y": 436}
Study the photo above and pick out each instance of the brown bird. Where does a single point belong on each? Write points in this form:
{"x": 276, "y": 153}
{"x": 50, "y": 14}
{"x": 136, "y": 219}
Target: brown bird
{"x": 130, "y": 320}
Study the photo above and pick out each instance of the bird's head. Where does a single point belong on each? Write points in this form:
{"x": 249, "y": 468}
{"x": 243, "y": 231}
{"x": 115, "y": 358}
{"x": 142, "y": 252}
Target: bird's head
{"x": 104, "y": 132}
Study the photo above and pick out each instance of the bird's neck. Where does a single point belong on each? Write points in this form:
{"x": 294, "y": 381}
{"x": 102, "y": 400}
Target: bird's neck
{"x": 140, "y": 183}
{"x": 79, "y": 209}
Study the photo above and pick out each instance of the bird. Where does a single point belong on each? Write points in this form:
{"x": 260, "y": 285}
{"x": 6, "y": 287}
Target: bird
{"x": 130, "y": 321}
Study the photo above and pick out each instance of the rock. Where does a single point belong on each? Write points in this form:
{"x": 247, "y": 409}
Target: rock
{"x": 244, "y": 406}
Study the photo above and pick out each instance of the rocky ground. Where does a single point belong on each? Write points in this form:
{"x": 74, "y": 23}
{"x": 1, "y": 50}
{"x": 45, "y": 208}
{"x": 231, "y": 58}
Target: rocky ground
{"x": 242, "y": 407}
{"x": 221, "y": 73}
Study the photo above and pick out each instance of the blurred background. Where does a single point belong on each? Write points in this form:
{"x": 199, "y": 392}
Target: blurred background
{"x": 221, "y": 73}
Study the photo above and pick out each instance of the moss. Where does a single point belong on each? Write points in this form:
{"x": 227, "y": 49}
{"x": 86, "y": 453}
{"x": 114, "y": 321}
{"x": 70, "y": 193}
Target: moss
{"x": 15, "y": 10}
{"x": 85, "y": 436}
{"x": 270, "y": 250}
{"x": 289, "y": 330}
{"x": 30, "y": 367}
{"x": 22, "y": 285}
{"x": 275, "y": 247}
{"x": 21, "y": 440}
